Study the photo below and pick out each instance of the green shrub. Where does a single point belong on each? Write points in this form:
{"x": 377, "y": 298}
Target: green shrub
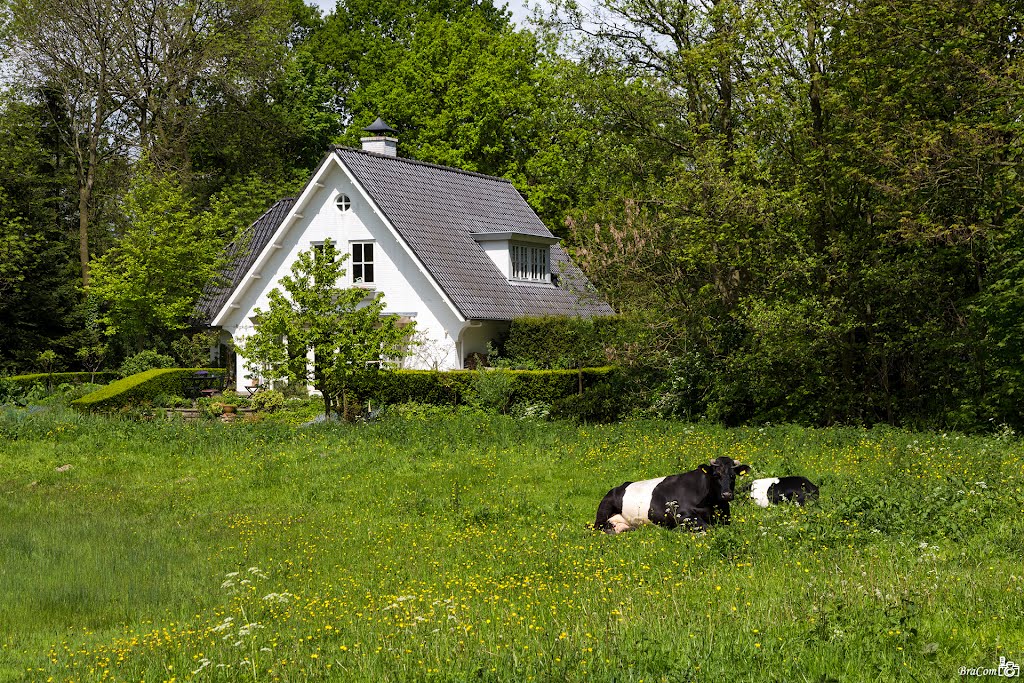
{"x": 531, "y": 411}
{"x": 145, "y": 360}
{"x": 456, "y": 387}
{"x": 560, "y": 342}
{"x": 144, "y": 387}
{"x": 617, "y": 393}
{"x": 194, "y": 350}
{"x": 171, "y": 401}
{"x": 493, "y": 389}
{"x": 417, "y": 411}
{"x": 600, "y": 404}
{"x": 267, "y": 401}
{"x": 24, "y": 389}
{"x": 418, "y": 386}
{"x": 233, "y": 398}
{"x": 65, "y": 393}
{"x": 28, "y": 381}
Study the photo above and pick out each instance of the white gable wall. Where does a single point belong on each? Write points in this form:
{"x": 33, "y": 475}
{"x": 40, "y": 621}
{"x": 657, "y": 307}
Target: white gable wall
{"x": 406, "y": 288}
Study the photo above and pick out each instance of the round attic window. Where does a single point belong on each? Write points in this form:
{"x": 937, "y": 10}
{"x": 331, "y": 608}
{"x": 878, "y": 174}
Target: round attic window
{"x": 343, "y": 202}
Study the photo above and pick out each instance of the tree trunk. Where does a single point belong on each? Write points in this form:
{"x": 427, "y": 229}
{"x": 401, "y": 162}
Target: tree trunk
{"x": 84, "y": 196}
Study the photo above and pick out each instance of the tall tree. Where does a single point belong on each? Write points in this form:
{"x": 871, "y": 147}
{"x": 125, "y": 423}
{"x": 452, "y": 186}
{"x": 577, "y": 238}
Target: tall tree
{"x": 129, "y": 76}
{"x": 37, "y": 294}
{"x": 73, "y": 50}
{"x": 821, "y": 247}
{"x": 463, "y": 93}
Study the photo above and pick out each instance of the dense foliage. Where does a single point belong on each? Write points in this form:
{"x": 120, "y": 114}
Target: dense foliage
{"x": 807, "y": 212}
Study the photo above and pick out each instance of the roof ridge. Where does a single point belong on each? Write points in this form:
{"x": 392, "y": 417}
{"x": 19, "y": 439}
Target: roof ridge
{"x": 417, "y": 162}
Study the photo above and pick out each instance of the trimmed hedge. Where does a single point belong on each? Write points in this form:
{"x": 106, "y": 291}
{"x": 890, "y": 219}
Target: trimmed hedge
{"x": 145, "y": 386}
{"x": 558, "y": 341}
{"x": 26, "y": 382}
{"x": 454, "y": 387}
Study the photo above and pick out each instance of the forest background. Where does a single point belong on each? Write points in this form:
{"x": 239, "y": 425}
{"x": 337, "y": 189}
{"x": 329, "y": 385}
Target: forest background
{"x": 809, "y": 209}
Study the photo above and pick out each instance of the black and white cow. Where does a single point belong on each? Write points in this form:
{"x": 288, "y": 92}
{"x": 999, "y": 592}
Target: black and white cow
{"x": 696, "y": 499}
{"x": 775, "y": 490}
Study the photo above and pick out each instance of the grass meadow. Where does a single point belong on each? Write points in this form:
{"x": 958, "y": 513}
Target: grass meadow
{"x": 435, "y": 547}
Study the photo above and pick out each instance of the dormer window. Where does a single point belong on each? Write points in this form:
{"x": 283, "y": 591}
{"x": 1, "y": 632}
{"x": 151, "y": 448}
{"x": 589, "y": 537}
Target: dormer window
{"x": 529, "y": 262}
{"x": 523, "y": 258}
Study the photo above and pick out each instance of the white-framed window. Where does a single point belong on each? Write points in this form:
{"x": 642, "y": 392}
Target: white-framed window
{"x": 343, "y": 202}
{"x": 362, "y": 263}
{"x": 530, "y": 263}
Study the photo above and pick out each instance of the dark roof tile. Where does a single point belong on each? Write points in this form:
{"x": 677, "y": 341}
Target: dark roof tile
{"x": 241, "y": 254}
{"x": 437, "y": 210}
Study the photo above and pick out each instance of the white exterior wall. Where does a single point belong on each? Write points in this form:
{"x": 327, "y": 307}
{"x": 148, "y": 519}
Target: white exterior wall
{"x": 476, "y": 335}
{"x": 498, "y": 251}
{"x": 406, "y": 288}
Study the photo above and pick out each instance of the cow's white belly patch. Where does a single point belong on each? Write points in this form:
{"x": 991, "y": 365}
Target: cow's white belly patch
{"x": 636, "y": 501}
{"x": 759, "y": 490}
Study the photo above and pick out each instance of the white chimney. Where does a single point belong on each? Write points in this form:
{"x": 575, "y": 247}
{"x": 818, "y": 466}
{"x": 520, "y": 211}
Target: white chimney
{"x": 379, "y": 141}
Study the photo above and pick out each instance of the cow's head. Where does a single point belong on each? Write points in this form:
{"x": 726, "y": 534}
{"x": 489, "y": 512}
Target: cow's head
{"x": 725, "y": 470}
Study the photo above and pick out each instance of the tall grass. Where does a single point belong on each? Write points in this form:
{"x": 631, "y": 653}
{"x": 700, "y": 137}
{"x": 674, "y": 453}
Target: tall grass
{"x": 457, "y": 548}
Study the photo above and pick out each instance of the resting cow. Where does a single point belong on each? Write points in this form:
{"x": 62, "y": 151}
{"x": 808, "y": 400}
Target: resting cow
{"x": 696, "y": 499}
{"x": 775, "y": 490}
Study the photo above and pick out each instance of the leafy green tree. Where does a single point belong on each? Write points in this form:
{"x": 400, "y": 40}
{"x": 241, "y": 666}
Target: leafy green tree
{"x": 91, "y": 358}
{"x": 193, "y": 351}
{"x": 143, "y": 361}
{"x": 818, "y": 199}
{"x": 129, "y": 78}
{"x": 462, "y": 94}
{"x": 277, "y": 130}
{"x": 460, "y": 83}
{"x": 48, "y": 362}
{"x": 317, "y": 333}
{"x": 153, "y": 278}
{"x": 363, "y": 40}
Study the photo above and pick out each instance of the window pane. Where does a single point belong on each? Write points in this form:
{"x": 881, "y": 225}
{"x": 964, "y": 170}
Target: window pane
{"x": 357, "y": 272}
{"x": 357, "y": 253}
{"x": 368, "y": 253}
{"x": 368, "y": 272}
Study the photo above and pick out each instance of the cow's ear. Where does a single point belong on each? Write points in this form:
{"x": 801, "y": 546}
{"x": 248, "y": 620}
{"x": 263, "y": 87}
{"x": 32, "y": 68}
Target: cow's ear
{"x": 741, "y": 469}
{"x": 706, "y": 469}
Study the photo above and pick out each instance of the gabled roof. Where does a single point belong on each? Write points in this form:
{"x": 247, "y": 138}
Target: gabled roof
{"x": 241, "y": 254}
{"x": 437, "y": 210}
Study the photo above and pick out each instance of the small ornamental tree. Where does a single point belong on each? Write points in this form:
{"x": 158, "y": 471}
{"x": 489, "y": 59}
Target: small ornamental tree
{"x": 318, "y": 333}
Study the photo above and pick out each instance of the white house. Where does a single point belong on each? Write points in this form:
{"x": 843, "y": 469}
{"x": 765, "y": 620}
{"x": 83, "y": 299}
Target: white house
{"x": 459, "y": 253}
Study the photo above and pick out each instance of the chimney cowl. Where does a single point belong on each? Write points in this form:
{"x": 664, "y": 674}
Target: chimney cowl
{"x": 380, "y": 140}
{"x": 379, "y": 127}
